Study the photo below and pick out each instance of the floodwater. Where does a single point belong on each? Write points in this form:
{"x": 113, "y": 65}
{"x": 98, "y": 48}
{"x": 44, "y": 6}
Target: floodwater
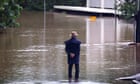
{"x": 34, "y": 54}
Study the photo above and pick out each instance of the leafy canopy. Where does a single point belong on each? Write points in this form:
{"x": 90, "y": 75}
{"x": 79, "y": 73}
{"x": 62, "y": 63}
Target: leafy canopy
{"x": 9, "y": 11}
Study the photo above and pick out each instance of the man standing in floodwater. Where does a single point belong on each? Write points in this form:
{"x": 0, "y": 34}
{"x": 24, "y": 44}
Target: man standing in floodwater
{"x": 72, "y": 48}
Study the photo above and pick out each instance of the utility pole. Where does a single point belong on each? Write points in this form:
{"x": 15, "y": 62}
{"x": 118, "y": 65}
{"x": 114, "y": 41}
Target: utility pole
{"x": 137, "y": 18}
{"x": 87, "y": 3}
{"x": 115, "y": 16}
{"x": 138, "y": 5}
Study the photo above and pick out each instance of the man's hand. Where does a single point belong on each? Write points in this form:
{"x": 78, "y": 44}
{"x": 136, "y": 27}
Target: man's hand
{"x": 72, "y": 55}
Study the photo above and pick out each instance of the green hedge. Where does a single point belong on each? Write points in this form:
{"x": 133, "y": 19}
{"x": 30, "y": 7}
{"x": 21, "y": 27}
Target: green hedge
{"x": 39, "y": 4}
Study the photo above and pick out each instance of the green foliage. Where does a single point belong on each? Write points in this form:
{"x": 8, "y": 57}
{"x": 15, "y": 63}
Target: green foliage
{"x": 128, "y": 8}
{"x": 39, "y": 5}
{"x": 9, "y": 11}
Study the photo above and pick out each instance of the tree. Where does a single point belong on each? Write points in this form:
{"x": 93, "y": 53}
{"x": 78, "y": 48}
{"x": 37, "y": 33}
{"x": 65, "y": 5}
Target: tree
{"x": 128, "y": 8}
{"x": 9, "y": 11}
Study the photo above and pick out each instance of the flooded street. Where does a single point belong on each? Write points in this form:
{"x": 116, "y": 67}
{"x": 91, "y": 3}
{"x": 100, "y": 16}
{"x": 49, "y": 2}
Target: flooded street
{"x": 34, "y": 54}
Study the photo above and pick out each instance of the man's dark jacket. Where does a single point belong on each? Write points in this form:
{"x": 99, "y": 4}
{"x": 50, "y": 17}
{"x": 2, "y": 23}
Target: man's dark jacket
{"x": 73, "y": 46}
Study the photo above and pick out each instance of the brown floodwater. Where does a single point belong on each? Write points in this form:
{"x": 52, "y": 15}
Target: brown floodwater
{"x": 34, "y": 53}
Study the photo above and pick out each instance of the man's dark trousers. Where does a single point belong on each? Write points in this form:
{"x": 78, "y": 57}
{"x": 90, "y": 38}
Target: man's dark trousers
{"x": 76, "y": 71}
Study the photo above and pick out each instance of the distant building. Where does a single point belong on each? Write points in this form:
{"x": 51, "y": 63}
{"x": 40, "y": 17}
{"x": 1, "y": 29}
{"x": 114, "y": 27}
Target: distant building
{"x": 93, "y": 6}
{"x": 105, "y": 4}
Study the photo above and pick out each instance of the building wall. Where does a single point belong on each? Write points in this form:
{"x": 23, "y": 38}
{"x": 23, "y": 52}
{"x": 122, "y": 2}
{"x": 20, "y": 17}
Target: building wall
{"x": 95, "y": 3}
{"x": 109, "y": 3}
{"x": 102, "y": 3}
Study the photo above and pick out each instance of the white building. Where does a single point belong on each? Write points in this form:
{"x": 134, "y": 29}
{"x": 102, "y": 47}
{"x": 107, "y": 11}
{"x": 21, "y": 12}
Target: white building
{"x": 93, "y": 6}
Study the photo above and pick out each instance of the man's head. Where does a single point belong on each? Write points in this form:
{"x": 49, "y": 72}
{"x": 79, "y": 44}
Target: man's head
{"x": 73, "y": 34}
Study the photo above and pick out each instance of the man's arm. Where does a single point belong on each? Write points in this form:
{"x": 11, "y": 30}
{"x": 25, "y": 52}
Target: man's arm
{"x": 67, "y": 48}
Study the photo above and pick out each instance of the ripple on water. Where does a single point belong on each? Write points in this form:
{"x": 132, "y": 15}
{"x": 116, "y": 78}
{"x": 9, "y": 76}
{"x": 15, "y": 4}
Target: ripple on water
{"x": 58, "y": 82}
